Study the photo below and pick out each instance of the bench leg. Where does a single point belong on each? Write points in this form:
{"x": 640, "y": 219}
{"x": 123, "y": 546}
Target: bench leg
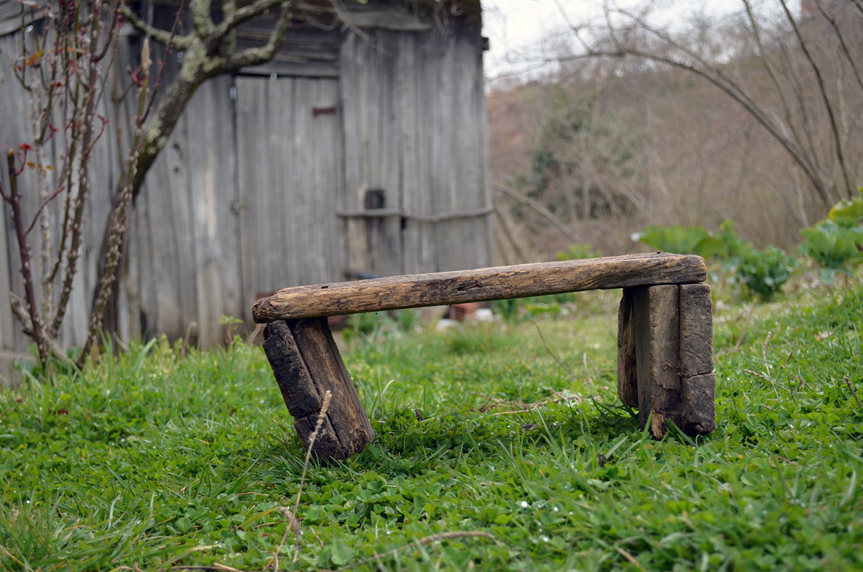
{"x": 627, "y": 373}
{"x": 673, "y": 356}
{"x": 698, "y": 384}
{"x": 306, "y": 363}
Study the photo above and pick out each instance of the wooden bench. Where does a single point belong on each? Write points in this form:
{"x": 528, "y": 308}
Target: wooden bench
{"x": 664, "y": 341}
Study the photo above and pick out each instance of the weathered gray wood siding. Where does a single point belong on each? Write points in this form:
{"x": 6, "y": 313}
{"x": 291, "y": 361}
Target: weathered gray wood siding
{"x": 414, "y": 121}
{"x": 290, "y": 173}
{"x": 15, "y": 128}
{"x": 249, "y": 193}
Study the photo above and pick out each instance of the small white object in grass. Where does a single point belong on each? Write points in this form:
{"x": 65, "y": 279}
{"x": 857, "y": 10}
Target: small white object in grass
{"x": 484, "y": 315}
{"x": 445, "y": 324}
{"x": 523, "y": 504}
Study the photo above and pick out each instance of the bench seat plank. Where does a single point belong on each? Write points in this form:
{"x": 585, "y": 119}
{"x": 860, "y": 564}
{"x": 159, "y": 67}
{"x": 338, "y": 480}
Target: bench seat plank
{"x": 498, "y": 283}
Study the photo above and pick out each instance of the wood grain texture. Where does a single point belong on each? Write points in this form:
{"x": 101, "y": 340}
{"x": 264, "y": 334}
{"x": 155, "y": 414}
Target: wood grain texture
{"x": 696, "y": 330}
{"x": 307, "y": 364}
{"x": 298, "y": 389}
{"x": 327, "y": 444}
{"x": 657, "y": 331}
{"x": 325, "y": 366}
{"x": 697, "y": 407}
{"x": 499, "y": 283}
{"x": 627, "y": 371}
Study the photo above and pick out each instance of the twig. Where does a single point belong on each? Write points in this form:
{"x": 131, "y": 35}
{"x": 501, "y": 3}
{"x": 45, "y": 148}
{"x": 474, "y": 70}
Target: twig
{"x": 291, "y": 516}
{"x": 765, "y": 378}
{"x": 525, "y": 410}
{"x": 421, "y": 542}
{"x": 217, "y": 566}
{"x": 318, "y": 538}
{"x": 853, "y": 391}
{"x": 553, "y": 355}
{"x": 587, "y": 371}
{"x": 37, "y": 327}
{"x": 799, "y": 378}
{"x": 745, "y": 327}
{"x": 629, "y": 557}
{"x": 764, "y": 353}
{"x": 547, "y": 214}
{"x": 326, "y": 405}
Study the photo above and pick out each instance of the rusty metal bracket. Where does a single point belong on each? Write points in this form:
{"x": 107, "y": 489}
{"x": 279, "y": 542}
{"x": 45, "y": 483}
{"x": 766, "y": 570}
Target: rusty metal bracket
{"x": 323, "y": 111}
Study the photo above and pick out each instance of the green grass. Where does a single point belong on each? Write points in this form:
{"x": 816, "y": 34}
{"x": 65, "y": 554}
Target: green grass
{"x": 167, "y": 460}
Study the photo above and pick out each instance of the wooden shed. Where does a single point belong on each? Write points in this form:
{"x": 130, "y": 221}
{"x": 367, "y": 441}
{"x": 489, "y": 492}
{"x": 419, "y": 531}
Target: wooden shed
{"x": 361, "y": 147}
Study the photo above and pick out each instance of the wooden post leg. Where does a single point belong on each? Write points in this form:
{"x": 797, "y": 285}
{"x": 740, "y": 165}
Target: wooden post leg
{"x": 627, "y": 372}
{"x": 657, "y": 332}
{"x": 306, "y": 363}
{"x": 698, "y": 383}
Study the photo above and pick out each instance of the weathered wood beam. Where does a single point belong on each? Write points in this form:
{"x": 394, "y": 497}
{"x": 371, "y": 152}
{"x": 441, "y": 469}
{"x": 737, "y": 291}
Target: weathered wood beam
{"x": 505, "y": 282}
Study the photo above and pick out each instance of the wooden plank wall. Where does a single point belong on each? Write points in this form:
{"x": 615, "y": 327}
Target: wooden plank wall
{"x": 244, "y": 198}
{"x": 184, "y": 271}
{"x": 415, "y": 126}
{"x": 290, "y": 168}
{"x": 16, "y": 128}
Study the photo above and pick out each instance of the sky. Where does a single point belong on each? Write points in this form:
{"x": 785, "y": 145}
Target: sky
{"x": 521, "y": 29}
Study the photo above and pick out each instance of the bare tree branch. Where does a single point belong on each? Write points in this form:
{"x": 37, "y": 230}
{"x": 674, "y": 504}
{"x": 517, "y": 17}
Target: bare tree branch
{"x": 846, "y": 51}
{"x": 837, "y": 139}
{"x": 161, "y": 36}
{"x": 544, "y": 212}
{"x": 257, "y": 56}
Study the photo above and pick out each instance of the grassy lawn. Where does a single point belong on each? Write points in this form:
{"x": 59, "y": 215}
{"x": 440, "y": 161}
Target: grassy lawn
{"x": 168, "y": 459}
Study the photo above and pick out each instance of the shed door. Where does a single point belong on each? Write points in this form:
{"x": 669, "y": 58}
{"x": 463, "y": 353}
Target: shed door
{"x": 290, "y": 183}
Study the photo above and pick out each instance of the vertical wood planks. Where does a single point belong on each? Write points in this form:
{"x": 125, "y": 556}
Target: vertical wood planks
{"x": 330, "y": 177}
{"x": 484, "y": 225}
{"x": 247, "y": 167}
{"x": 373, "y": 155}
{"x": 212, "y": 177}
{"x": 673, "y": 357}
{"x": 417, "y": 236}
{"x": 627, "y": 372}
{"x": 698, "y": 383}
{"x": 696, "y": 330}
{"x": 352, "y": 54}
{"x": 291, "y": 183}
{"x": 410, "y": 121}
{"x": 657, "y": 332}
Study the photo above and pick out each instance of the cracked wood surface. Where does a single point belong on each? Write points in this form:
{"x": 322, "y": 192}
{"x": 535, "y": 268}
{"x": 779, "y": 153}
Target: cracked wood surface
{"x": 497, "y": 283}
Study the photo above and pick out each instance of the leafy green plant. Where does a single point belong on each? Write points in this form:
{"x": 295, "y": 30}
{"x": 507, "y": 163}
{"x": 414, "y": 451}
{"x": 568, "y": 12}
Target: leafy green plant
{"x": 763, "y": 271}
{"x": 579, "y": 251}
{"x": 531, "y": 306}
{"x": 680, "y": 240}
{"x": 836, "y": 243}
{"x": 371, "y": 322}
{"x": 734, "y": 244}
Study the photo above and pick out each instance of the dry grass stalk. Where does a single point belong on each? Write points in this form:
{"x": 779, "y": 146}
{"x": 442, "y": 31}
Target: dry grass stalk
{"x": 557, "y": 359}
{"x": 766, "y": 377}
{"x": 291, "y": 516}
{"x": 853, "y": 391}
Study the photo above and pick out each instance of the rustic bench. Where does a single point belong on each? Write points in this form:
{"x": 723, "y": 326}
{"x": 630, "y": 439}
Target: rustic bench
{"x": 664, "y": 340}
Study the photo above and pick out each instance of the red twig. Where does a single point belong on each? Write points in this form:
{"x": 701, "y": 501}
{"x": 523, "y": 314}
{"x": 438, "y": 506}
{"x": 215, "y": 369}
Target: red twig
{"x": 42, "y": 206}
{"x": 14, "y": 199}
